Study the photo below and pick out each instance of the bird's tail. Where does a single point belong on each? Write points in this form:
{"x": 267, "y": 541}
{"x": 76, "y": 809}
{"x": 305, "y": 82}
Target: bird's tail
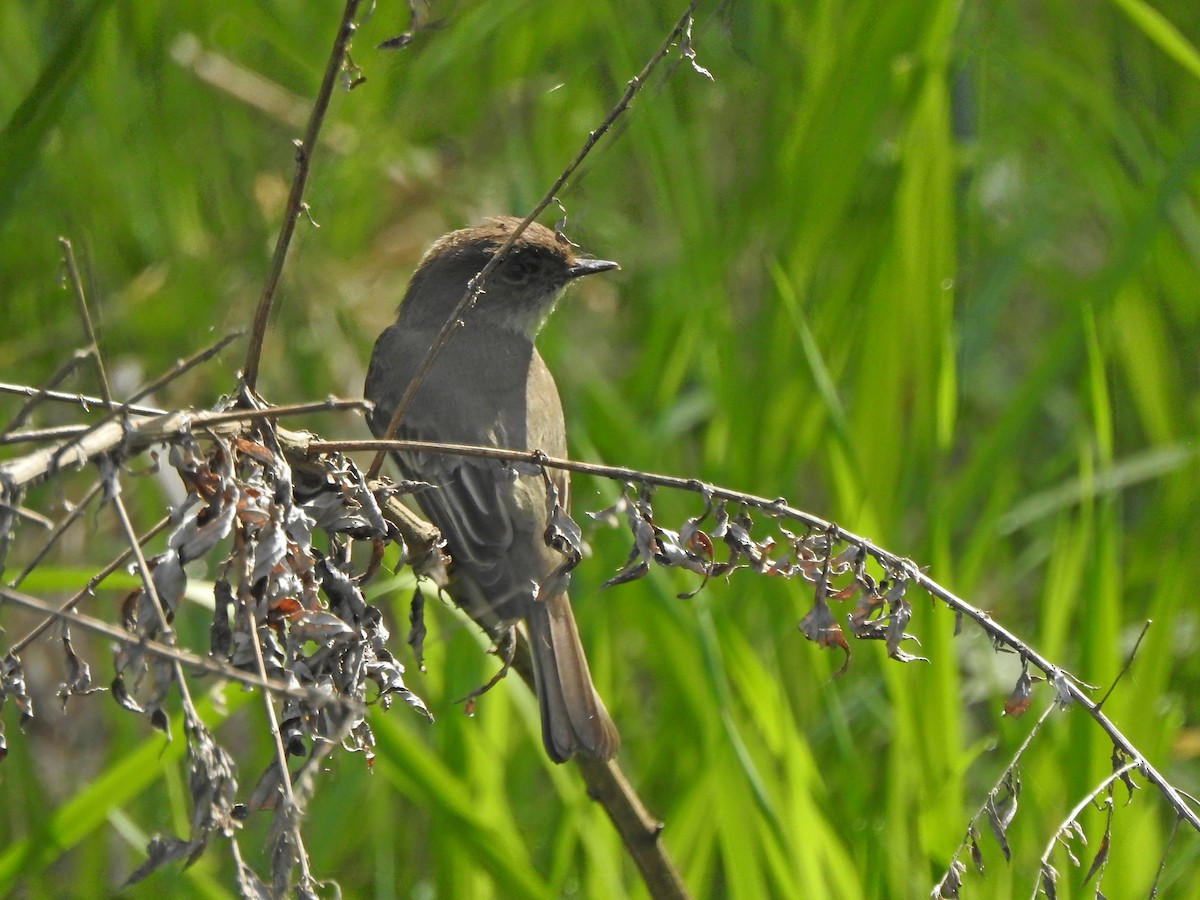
{"x": 574, "y": 719}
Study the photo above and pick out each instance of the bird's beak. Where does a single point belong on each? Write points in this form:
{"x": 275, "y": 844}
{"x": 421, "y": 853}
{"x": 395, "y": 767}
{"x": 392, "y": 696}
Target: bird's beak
{"x": 590, "y": 267}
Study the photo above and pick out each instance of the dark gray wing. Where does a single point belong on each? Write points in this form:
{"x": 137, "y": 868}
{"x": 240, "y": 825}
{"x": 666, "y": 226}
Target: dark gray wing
{"x": 492, "y": 515}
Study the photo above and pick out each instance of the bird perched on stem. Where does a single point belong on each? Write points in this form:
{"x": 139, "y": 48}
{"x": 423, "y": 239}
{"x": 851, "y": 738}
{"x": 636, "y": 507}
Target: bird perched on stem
{"x": 490, "y": 387}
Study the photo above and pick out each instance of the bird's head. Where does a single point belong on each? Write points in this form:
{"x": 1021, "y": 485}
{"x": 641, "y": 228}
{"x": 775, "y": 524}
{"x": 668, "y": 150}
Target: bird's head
{"x": 520, "y": 292}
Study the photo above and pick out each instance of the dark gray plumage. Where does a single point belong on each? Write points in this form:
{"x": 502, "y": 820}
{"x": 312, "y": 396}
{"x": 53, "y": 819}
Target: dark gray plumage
{"x": 490, "y": 387}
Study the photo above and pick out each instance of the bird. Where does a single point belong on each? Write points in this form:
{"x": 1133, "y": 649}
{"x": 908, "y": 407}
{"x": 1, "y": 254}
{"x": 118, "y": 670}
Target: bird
{"x": 490, "y": 387}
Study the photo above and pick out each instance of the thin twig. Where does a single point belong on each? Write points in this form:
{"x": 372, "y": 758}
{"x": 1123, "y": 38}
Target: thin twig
{"x": 476, "y": 285}
{"x": 36, "y": 395}
{"x": 34, "y": 435}
{"x": 897, "y": 567}
{"x": 285, "y": 779}
{"x": 89, "y": 443}
{"x": 72, "y": 517}
{"x": 1064, "y": 828}
{"x": 29, "y": 515}
{"x": 39, "y": 394}
{"x": 139, "y": 558}
{"x": 330, "y": 404}
{"x": 64, "y": 611}
{"x": 85, "y": 317}
{"x": 166, "y": 378}
{"x": 1128, "y": 664}
{"x": 83, "y": 400}
{"x": 777, "y": 507}
{"x": 983, "y": 809}
{"x": 1066, "y": 687}
{"x": 163, "y": 651}
{"x": 201, "y": 419}
{"x": 150, "y": 589}
{"x": 295, "y": 204}
{"x": 1162, "y": 860}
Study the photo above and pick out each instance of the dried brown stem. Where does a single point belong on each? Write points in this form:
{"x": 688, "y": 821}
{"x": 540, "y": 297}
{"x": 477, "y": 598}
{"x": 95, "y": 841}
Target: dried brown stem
{"x": 329, "y": 404}
{"x": 295, "y": 205}
{"x": 95, "y": 441}
{"x": 641, "y": 832}
{"x": 32, "y": 468}
{"x": 85, "y": 317}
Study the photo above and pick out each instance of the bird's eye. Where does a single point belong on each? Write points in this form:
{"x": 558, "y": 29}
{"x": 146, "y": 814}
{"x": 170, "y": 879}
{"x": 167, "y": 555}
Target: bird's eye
{"x": 519, "y": 268}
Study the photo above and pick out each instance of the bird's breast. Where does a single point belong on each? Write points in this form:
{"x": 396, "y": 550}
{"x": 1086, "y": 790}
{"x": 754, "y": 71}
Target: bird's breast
{"x": 484, "y": 388}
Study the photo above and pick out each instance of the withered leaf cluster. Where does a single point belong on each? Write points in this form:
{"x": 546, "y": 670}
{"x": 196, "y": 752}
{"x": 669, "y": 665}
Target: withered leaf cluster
{"x": 281, "y": 603}
{"x": 288, "y": 610}
{"x": 729, "y": 543}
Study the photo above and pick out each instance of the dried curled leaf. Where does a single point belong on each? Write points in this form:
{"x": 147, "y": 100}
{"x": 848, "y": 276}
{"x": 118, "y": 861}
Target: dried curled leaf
{"x": 819, "y": 626}
{"x": 564, "y": 535}
{"x": 13, "y": 687}
{"x": 79, "y": 674}
{"x": 1022, "y": 695}
{"x": 688, "y": 52}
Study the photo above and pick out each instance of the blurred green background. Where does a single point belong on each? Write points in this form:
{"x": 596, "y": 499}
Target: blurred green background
{"x": 928, "y": 269}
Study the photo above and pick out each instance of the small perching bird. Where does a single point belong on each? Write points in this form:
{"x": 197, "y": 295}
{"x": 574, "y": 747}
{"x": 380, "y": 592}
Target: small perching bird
{"x": 489, "y": 387}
